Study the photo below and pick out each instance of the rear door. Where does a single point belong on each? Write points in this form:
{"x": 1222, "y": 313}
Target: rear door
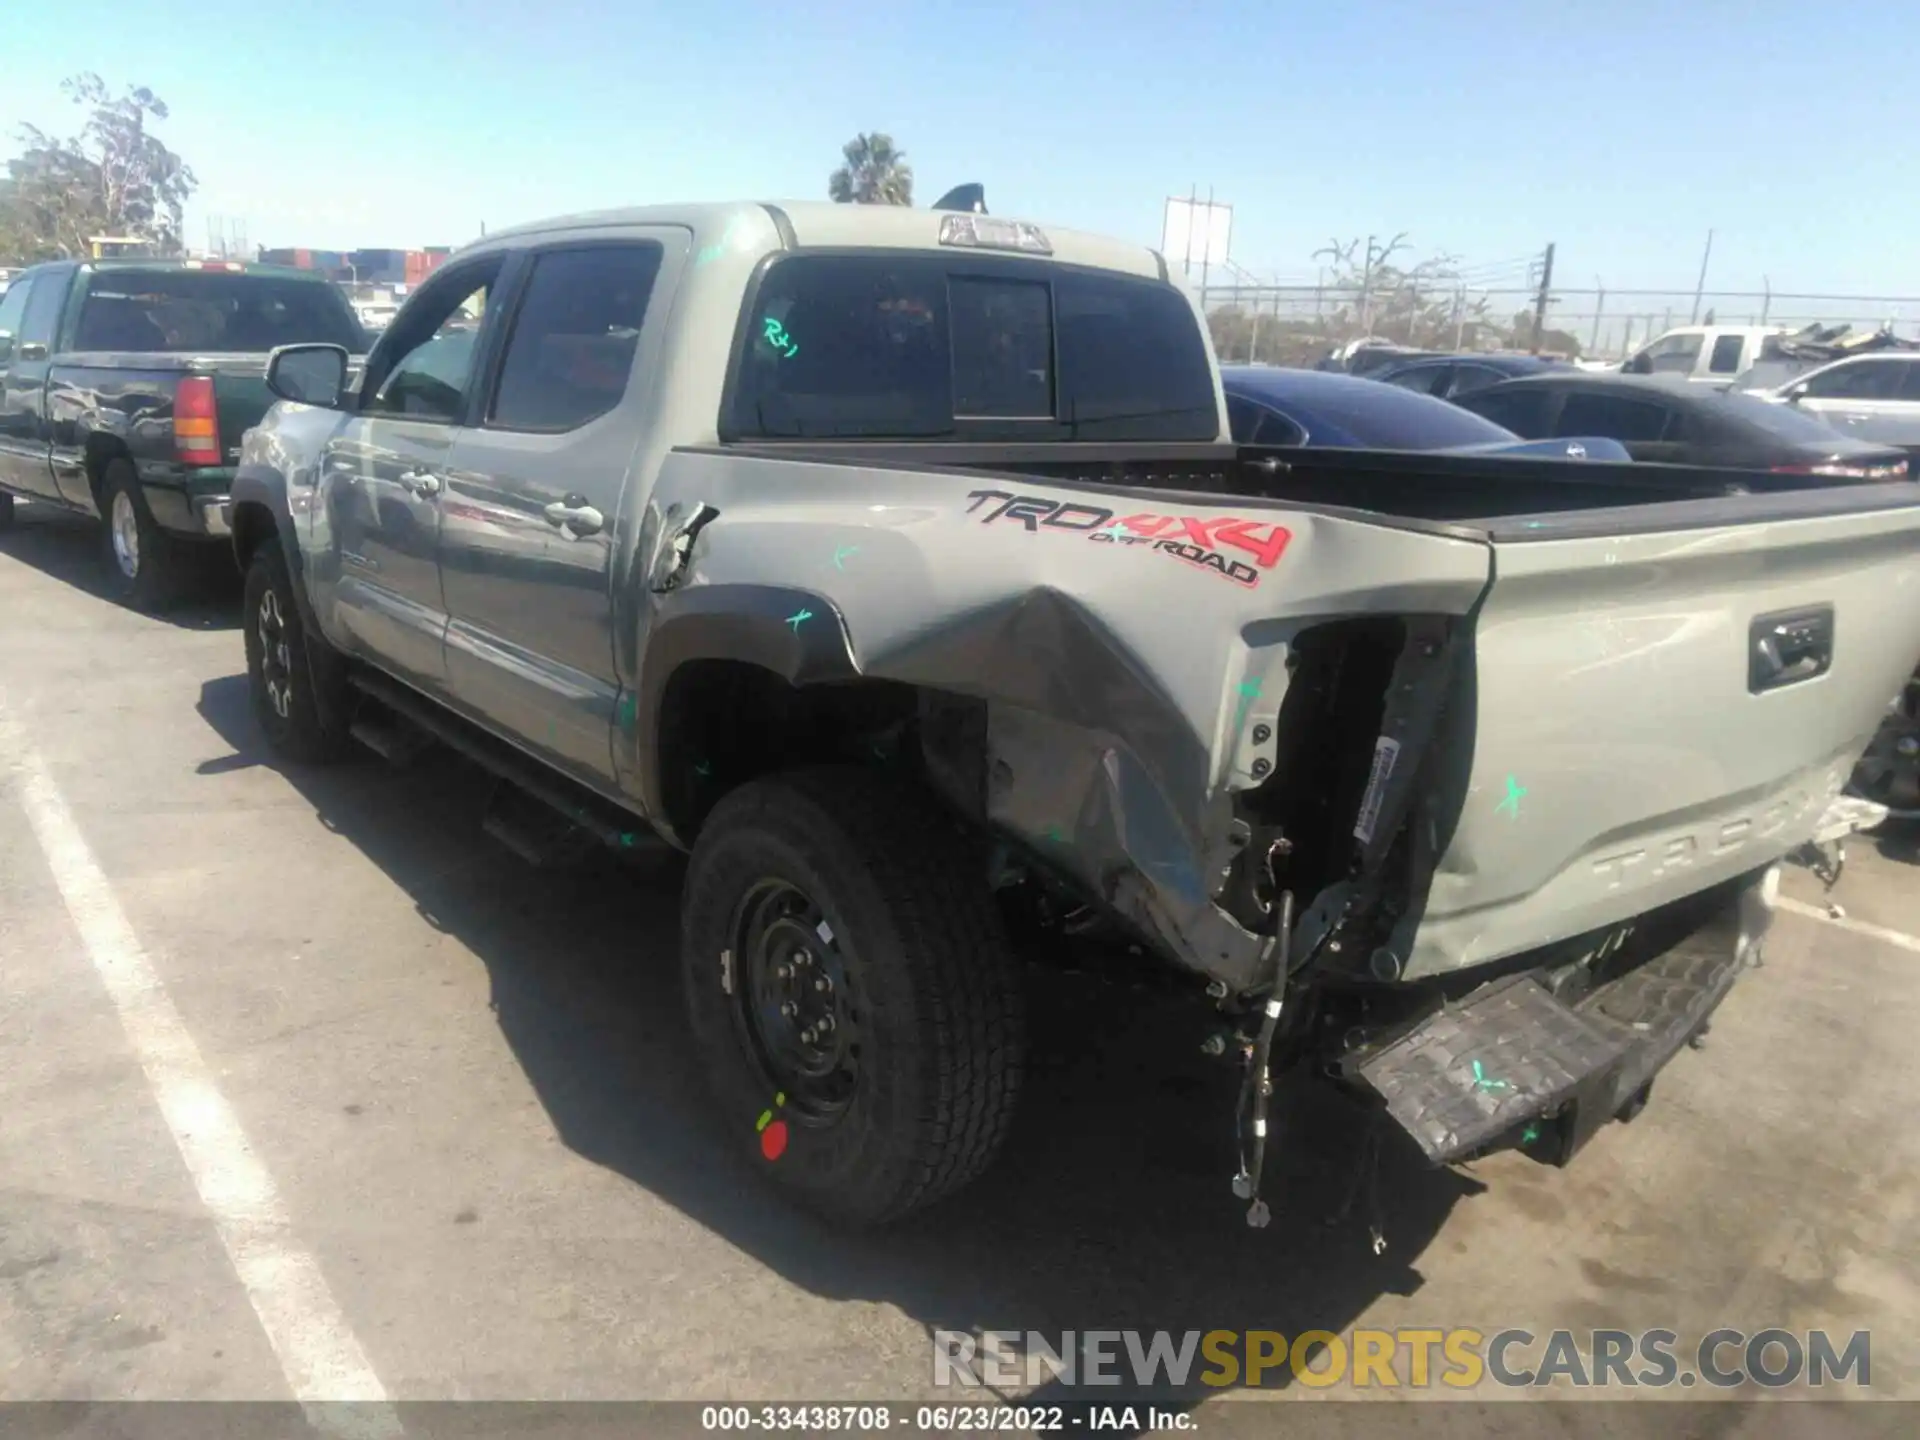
{"x": 1710, "y": 688}
{"x": 1862, "y": 397}
{"x": 382, "y": 475}
{"x": 532, "y": 502}
{"x": 27, "y": 459}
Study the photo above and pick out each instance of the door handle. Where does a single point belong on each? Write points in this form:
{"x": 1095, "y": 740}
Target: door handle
{"x": 419, "y": 482}
{"x": 575, "y": 514}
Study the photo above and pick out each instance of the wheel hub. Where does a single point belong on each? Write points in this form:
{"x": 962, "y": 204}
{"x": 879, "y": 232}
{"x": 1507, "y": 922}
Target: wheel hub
{"x": 794, "y": 1001}
{"x": 276, "y": 660}
{"x": 124, "y": 526}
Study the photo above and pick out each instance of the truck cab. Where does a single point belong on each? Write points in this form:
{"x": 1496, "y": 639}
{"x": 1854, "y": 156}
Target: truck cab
{"x": 1702, "y": 354}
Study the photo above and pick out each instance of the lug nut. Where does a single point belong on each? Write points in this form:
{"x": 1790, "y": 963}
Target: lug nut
{"x": 1907, "y": 746}
{"x": 822, "y": 984}
{"x": 826, "y": 1025}
{"x": 782, "y": 972}
{"x": 789, "y": 1010}
{"x": 1213, "y": 1045}
{"x": 1262, "y": 734}
{"x": 1261, "y": 767}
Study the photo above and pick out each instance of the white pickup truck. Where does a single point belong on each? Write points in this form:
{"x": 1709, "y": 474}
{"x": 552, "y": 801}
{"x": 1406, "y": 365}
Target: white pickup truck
{"x": 896, "y": 564}
{"x": 1702, "y": 354}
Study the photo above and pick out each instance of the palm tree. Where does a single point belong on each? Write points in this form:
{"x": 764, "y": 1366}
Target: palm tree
{"x": 875, "y": 173}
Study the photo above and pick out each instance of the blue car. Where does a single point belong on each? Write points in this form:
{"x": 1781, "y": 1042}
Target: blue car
{"x": 1271, "y": 406}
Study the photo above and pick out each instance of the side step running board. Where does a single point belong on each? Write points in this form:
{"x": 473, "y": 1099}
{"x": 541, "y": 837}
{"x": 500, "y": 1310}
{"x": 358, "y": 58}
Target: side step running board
{"x": 600, "y": 819}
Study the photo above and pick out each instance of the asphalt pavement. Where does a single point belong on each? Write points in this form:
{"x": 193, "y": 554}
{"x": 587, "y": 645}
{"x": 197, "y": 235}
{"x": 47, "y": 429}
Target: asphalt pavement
{"x": 309, "y": 1088}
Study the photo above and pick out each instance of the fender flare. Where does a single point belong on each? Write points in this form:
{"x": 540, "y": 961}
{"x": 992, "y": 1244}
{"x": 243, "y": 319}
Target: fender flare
{"x": 799, "y": 635}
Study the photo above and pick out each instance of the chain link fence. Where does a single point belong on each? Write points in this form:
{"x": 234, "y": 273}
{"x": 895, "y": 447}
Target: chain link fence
{"x": 1293, "y": 324}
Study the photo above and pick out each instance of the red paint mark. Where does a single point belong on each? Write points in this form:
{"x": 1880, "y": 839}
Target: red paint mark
{"x": 773, "y": 1140}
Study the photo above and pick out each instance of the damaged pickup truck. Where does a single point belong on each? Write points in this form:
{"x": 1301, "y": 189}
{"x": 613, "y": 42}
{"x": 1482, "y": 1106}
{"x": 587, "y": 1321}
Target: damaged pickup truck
{"x": 895, "y": 564}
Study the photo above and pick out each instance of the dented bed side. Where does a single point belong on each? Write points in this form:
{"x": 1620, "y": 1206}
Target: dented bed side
{"x": 1546, "y": 711}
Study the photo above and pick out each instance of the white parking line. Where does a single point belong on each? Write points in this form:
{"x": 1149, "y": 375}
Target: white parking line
{"x": 318, "y": 1353}
{"x": 1859, "y": 927}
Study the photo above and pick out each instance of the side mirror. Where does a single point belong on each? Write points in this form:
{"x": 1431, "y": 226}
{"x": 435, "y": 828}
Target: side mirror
{"x": 1641, "y": 364}
{"x": 6, "y": 347}
{"x": 309, "y": 374}
{"x": 1794, "y": 393}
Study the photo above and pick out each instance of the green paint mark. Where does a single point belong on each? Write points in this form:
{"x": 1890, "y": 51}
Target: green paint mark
{"x": 766, "y": 1119}
{"x": 1511, "y": 805}
{"x": 1117, "y": 528}
{"x": 702, "y": 769}
{"x": 795, "y": 619}
{"x": 1484, "y": 1081}
{"x": 842, "y": 553}
{"x": 1249, "y": 692}
{"x": 779, "y": 1098}
{"x": 629, "y": 840}
{"x": 777, "y": 337}
{"x": 629, "y": 710}
{"x": 1056, "y": 835}
{"x": 710, "y": 253}
{"x": 1530, "y": 1134}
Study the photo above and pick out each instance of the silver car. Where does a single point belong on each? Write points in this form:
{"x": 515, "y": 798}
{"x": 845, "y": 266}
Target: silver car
{"x": 1871, "y": 397}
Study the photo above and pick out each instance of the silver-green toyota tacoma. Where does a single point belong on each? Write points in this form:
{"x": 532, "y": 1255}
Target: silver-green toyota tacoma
{"x": 894, "y": 563}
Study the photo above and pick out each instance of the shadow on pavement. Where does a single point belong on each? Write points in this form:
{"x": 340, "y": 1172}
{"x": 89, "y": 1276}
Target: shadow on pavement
{"x": 1110, "y": 1208}
{"x": 67, "y": 547}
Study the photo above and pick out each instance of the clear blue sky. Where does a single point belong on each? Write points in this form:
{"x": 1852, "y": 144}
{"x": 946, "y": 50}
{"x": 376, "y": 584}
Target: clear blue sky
{"x": 1622, "y": 129}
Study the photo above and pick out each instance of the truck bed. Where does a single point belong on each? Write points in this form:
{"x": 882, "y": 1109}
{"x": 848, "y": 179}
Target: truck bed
{"x": 1488, "y": 704}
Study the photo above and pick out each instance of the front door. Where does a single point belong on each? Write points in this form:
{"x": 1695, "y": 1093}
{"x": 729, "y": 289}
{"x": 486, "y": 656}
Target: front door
{"x": 383, "y": 475}
{"x": 532, "y": 509}
{"x": 1862, "y": 398}
{"x": 26, "y": 442}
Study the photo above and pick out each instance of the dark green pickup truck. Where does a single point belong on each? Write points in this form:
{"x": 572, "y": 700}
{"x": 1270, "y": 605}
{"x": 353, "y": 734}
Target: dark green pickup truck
{"x": 125, "y": 386}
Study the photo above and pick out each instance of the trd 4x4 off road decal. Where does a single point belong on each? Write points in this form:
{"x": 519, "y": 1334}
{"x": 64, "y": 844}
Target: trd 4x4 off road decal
{"x": 1199, "y": 541}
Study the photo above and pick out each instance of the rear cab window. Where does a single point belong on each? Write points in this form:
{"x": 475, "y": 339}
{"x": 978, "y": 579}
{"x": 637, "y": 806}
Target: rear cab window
{"x": 213, "y": 311}
{"x": 910, "y": 346}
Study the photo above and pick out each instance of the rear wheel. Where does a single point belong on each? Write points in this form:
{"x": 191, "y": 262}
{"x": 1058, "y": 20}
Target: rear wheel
{"x": 851, "y": 992}
{"x": 284, "y": 682}
{"x": 144, "y": 565}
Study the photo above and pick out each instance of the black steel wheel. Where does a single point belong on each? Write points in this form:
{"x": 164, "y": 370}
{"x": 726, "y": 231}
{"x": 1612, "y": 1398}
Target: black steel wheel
{"x": 851, "y": 992}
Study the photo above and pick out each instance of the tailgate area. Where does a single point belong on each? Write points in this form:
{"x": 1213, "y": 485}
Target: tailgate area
{"x": 1512, "y": 1063}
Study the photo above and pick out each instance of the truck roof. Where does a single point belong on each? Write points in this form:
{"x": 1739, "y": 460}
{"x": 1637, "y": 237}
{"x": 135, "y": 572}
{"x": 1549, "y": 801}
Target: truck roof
{"x": 820, "y": 224}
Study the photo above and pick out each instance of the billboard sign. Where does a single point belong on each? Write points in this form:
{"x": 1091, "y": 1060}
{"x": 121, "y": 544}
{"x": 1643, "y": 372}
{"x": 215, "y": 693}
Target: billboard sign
{"x": 1196, "y": 232}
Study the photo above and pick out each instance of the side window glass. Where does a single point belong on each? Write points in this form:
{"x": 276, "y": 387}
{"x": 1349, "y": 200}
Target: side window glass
{"x": 1524, "y": 411}
{"x": 1613, "y": 417}
{"x": 1725, "y": 359}
{"x": 1468, "y": 378}
{"x": 43, "y": 309}
{"x": 1675, "y": 354}
{"x": 436, "y": 342}
{"x": 13, "y": 308}
{"x": 1862, "y": 380}
{"x": 1422, "y": 378}
{"x": 1242, "y": 419}
{"x": 1910, "y": 381}
{"x": 1277, "y": 429}
{"x": 574, "y": 337}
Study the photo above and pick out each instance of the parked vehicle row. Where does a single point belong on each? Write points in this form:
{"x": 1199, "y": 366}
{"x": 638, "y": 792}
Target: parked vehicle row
{"x": 900, "y": 567}
{"x": 125, "y": 388}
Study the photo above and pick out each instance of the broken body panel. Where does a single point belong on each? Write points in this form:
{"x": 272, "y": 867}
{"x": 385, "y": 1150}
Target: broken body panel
{"x": 1566, "y": 722}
